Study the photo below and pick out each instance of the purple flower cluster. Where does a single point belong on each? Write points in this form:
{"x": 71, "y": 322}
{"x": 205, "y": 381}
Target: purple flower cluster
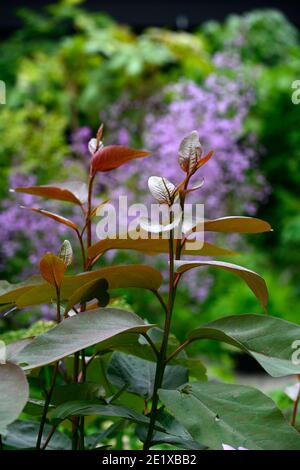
{"x": 217, "y": 110}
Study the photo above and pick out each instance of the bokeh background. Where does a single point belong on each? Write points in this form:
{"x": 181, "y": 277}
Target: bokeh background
{"x": 152, "y": 73}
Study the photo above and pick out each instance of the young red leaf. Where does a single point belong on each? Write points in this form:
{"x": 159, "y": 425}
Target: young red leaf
{"x": 205, "y": 159}
{"x": 72, "y": 191}
{"x": 111, "y": 157}
{"x": 51, "y": 215}
{"x": 52, "y": 269}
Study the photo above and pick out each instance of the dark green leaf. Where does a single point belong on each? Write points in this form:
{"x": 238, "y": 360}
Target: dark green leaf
{"x": 239, "y": 416}
{"x": 23, "y": 435}
{"x": 174, "y": 434}
{"x": 139, "y": 374}
{"x": 77, "y": 391}
{"x": 87, "y": 408}
{"x": 78, "y": 332}
{"x": 268, "y": 339}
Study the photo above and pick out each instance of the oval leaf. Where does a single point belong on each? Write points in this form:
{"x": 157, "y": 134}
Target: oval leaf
{"x": 52, "y": 269}
{"x": 255, "y": 282}
{"x": 161, "y": 189}
{"x": 79, "y": 332}
{"x": 190, "y": 151}
{"x": 111, "y": 157}
{"x": 14, "y": 393}
{"x": 214, "y": 413}
{"x": 268, "y": 340}
{"x": 153, "y": 247}
{"x": 234, "y": 224}
{"x": 71, "y": 191}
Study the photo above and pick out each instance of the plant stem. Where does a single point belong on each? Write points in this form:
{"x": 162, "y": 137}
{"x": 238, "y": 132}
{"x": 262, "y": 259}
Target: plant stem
{"x": 46, "y": 407}
{"x": 53, "y": 381}
{"x": 58, "y": 315}
{"x": 177, "y": 351}
{"x": 161, "y": 300}
{"x": 53, "y": 429}
{"x": 295, "y": 409}
{"x": 89, "y": 210}
{"x": 154, "y": 348}
{"x": 75, "y": 419}
{"x": 82, "y": 248}
{"x": 161, "y": 362}
{"x": 78, "y": 423}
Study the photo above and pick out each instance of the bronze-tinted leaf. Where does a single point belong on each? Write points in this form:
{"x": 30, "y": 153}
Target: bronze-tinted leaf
{"x": 253, "y": 280}
{"x": 71, "y": 191}
{"x": 111, "y": 157}
{"x": 52, "y": 269}
{"x": 153, "y": 247}
{"x": 205, "y": 159}
{"x": 96, "y": 289}
{"x": 58, "y": 218}
{"x": 35, "y": 291}
{"x": 235, "y": 224}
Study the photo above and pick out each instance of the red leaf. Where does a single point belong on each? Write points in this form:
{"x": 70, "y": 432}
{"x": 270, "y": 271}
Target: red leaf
{"x": 111, "y": 157}
{"x": 71, "y": 191}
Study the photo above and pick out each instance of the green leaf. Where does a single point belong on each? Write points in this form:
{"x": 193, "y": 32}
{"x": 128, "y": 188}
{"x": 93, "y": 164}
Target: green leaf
{"x": 240, "y": 416}
{"x": 23, "y": 435}
{"x": 87, "y": 408}
{"x": 14, "y": 393}
{"x": 79, "y": 332}
{"x": 267, "y": 339}
{"x": 255, "y": 282}
{"x": 35, "y": 291}
{"x": 77, "y": 391}
{"x": 174, "y": 434}
{"x": 139, "y": 374}
{"x": 92, "y": 440}
{"x": 195, "y": 366}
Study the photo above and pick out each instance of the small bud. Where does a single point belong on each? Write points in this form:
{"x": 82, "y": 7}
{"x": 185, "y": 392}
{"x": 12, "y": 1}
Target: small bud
{"x": 162, "y": 189}
{"x": 94, "y": 145}
{"x": 190, "y": 152}
{"x": 66, "y": 252}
